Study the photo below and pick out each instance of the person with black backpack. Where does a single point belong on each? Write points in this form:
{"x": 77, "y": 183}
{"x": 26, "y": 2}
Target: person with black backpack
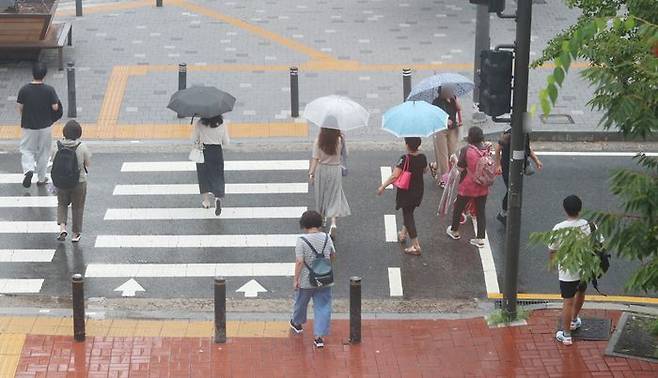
{"x": 314, "y": 278}
{"x": 69, "y": 175}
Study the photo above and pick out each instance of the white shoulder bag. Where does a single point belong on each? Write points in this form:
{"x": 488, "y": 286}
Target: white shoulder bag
{"x": 196, "y": 155}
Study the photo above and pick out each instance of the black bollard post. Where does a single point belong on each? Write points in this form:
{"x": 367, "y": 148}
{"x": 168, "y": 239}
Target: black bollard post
{"x": 182, "y": 79}
{"x": 78, "y": 8}
{"x": 158, "y": 3}
{"x": 220, "y": 310}
{"x": 406, "y": 82}
{"x": 70, "y": 78}
{"x": 355, "y": 310}
{"x": 294, "y": 92}
{"x": 78, "y": 294}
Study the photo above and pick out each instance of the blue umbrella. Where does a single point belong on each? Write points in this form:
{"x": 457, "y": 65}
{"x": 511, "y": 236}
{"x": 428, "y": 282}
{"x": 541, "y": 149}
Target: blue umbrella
{"x": 414, "y": 119}
{"x": 427, "y": 90}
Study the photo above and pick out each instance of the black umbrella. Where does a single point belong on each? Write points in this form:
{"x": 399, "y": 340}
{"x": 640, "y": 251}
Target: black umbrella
{"x": 206, "y": 102}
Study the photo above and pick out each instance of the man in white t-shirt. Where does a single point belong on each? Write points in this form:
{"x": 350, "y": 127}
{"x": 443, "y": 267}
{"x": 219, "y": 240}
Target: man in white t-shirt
{"x": 572, "y": 289}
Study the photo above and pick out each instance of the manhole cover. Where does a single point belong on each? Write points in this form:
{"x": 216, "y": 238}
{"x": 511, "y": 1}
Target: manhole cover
{"x": 592, "y": 329}
{"x": 557, "y": 119}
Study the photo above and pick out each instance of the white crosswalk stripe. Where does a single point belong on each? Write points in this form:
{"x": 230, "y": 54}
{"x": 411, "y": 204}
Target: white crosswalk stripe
{"x": 177, "y": 189}
{"x": 16, "y": 178}
{"x": 20, "y": 286}
{"x": 190, "y": 270}
{"x": 196, "y": 241}
{"x": 26, "y": 255}
{"x": 200, "y": 213}
{"x": 28, "y": 227}
{"x": 231, "y": 165}
{"x": 38, "y": 201}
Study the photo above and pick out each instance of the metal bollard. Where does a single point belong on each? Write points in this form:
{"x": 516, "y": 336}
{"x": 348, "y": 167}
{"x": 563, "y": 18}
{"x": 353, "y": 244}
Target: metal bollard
{"x": 220, "y": 310}
{"x": 70, "y": 78}
{"x": 294, "y": 92}
{"x": 78, "y": 8}
{"x": 355, "y": 310}
{"x": 182, "y": 79}
{"x": 78, "y": 294}
{"x": 406, "y": 82}
{"x": 158, "y": 3}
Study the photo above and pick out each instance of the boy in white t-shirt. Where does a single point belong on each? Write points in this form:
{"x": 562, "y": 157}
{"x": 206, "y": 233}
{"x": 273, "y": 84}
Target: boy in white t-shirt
{"x": 572, "y": 289}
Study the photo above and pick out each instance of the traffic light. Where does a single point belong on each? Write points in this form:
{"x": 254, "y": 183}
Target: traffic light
{"x": 495, "y": 6}
{"x": 495, "y": 82}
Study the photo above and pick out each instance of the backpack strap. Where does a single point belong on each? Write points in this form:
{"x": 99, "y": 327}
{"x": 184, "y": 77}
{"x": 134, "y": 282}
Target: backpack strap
{"x": 317, "y": 255}
{"x": 326, "y": 239}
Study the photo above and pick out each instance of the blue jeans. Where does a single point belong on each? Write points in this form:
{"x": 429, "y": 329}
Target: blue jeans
{"x": 321, "y": 309}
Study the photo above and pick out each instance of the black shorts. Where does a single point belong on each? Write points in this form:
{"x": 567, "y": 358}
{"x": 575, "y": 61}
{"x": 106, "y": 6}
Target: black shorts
{"x": 568, "y": 289}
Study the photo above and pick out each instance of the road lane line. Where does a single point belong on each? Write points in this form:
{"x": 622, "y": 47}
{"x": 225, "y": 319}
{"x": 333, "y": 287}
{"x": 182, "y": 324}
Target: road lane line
{"x": 592, "y": 153}
{"x": 29, "y": 227}
{"x": 196, "y": 241}
{"x": 40, "y": 201}
{"x": 264, "y": 188}
{"x": 26, "y": 255}
{"x": 395, "y": 282}
{"x": 390, "y": 228}
{"x": 20, "y": 286}
{"x": 488, "y": 264}
{"x": 200, "y": 213}
{"x": 386, "y": 173}
{"x": 231, "y": 165}
{"x": 190, "y": 270}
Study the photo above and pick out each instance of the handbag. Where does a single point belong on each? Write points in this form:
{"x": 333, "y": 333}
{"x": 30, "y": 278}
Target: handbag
{"x": 403, "y": 181}
{"x": 196, "y": 154}
{"x": 320, "y": 272}
{"x": 56, "y": 115}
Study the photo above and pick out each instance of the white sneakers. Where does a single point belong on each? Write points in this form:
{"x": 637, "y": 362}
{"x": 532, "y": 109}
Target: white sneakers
{"x": 477, "y": 242}
{"x": 575, "y": 324}
{"x": 564, "y": 339}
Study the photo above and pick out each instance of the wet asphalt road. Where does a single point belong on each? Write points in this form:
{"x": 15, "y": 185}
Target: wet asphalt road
{"x": 447, "y": 269}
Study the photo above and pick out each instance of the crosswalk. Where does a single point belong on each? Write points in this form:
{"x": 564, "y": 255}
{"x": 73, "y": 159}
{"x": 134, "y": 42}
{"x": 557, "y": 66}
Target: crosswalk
{"x": 227, "y": 246}
{"x": 146, "y": 217}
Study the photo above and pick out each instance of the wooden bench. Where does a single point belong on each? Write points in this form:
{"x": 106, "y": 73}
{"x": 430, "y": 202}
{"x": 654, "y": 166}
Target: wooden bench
{"x": 58, "y": 35}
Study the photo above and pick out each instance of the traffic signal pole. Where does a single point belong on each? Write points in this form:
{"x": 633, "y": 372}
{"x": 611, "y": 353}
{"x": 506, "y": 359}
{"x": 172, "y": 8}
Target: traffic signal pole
{"x": 519, "y": 116}
{"x": 482, "y": 42}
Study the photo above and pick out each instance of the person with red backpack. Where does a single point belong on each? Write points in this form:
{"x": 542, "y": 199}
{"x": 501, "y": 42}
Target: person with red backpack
{"x": 478, "y": 172}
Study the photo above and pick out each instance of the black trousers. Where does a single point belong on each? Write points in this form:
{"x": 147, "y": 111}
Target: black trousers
{"x": 211, "y": 172}
{"x": 409, "y": 221}
{"x": 505, "y": 174}
{"x": 480, "y": 206}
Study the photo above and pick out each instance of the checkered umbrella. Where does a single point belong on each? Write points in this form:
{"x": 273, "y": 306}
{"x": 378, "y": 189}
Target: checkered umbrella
{"x": 428, "y": 89}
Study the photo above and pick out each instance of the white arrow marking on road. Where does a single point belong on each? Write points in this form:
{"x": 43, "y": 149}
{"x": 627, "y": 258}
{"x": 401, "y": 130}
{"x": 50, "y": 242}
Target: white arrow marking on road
{"x": 129, "y": 288}
{"x": 251, "y": 289}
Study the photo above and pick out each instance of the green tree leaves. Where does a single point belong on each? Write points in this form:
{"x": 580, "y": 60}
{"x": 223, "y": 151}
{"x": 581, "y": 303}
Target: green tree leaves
{"x": 619, "y": 40}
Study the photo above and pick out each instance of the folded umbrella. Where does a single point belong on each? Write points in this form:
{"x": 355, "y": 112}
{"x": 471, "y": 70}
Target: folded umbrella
{"x": 414, "y": 119}
{"x": 336, "y": 112}
{"x": 428, "y": 89}
{"x": 206, "y": 102}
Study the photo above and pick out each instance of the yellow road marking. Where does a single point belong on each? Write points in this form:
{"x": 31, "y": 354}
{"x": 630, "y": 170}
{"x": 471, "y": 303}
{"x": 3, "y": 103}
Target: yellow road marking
{"x": 11, "y": 346}
{"x": 593, "y": 298}
{"x": 14, "y": 326}
{"x": 253, "y": 29}
{"x": 171, "y": 131}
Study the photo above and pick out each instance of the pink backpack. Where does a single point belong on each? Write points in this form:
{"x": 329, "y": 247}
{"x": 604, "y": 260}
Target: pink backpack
{"x": 485, "y": 168}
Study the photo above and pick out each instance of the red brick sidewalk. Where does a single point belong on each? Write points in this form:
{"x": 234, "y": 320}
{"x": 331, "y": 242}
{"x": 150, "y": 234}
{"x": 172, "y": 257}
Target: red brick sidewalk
{"x": 408, "y": 348}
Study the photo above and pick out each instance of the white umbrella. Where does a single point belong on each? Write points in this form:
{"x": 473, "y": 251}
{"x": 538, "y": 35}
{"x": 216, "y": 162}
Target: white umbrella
{"x": 336, "y": 112}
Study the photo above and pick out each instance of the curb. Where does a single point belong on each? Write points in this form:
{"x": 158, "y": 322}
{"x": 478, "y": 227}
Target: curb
{"x": 579, "y": 136}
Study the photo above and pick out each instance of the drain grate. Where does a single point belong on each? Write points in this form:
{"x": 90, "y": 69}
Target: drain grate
{"x": 557, "y": 119}
{"x": 593, "y": 329}
{"x": 499, "y": 303}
